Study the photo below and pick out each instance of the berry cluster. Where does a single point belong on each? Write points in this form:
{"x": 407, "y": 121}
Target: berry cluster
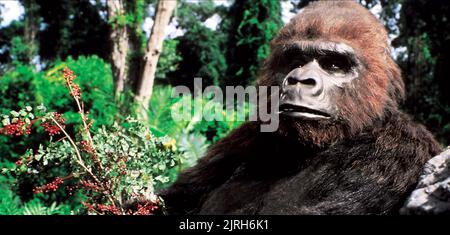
{"x": 17, "y": 128}
{"x": 50, "y": 127}
{"x": 71, "y": 189}
{"x": 86, "y": 118}
{"x": 101, "y": 208}
{"x": 146, "y": 209}
{"x": 108, "y": 208}
{"x": 89, "y": 185}
{"x": 86, "y": 147}
{"x": 89, "y": 206}
{"x": 23, "y": 160}
{"x": 74, "y": 88}
{"x": 52, "y": 186}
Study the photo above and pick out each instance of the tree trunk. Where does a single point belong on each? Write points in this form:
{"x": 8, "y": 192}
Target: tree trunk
{"x": 119, "y": 41}
{"x": 31, "y": 28}
{"x": 154, "y": 47}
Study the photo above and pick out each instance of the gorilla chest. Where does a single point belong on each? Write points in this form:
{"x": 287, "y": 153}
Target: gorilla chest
{"x": 322, "y": 184}
{"x": 266, "y": 190}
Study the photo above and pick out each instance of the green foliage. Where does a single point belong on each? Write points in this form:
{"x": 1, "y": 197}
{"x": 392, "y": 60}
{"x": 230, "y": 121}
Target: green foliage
{"x": 135, "y": 13}
{"x": 149, "y": 158}
{"x": 424, "y": 32}
{"x": 19, "y": 50}
{"x": 200, "y": 48}
{"x": 146, "y": 155}
{"x": 162, "y": 106}
{"x": 7, "y": 34}
{"x": 253, "y": 24}
{"x": 169, "y": 60}
{"x": 95, "y": 81}
{"x": 192, "y": 133}
{"x": 193, "y": 146}
{"x": 134, "y": 163}
{"x": 35, "y": 207}
{"x": 72, "y": 28}
{"x": 24, "y": 86}
{"x": 18, "y": 89}
{"x": 111, "y": 166}
{"x": 162, "y": 124}
{"x": 159, "y": 114}
{"x": 10, "y": 204}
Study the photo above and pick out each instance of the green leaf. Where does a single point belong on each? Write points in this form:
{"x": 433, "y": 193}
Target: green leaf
{"x": 193, "y": 147}
{"x": 6, "y": 122}
{"x": 14, "y": 113}
{"x": 41, "y": 107}
{"x": 23, "y": 113}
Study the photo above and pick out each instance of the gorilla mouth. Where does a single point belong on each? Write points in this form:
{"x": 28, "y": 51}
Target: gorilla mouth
{"x": 302, "y": 111}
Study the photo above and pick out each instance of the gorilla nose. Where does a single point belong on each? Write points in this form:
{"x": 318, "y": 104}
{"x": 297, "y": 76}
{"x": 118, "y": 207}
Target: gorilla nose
{"x": 305, "y": 85}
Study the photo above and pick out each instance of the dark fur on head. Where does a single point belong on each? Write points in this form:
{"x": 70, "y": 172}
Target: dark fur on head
{"x": 362, "y": 102}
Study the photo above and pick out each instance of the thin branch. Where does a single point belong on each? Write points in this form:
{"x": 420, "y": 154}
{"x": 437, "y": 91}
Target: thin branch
{"x": 85, "y": 126}
{"x": 80, "y": 161}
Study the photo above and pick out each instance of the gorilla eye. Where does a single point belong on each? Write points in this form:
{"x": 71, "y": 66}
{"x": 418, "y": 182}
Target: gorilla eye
{"x": 297, "y": 62}
{"x": 335, "y": 64}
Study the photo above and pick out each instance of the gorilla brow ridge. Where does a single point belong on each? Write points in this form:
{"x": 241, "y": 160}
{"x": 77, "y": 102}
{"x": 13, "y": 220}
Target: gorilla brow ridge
{"x": 322, "y": 48}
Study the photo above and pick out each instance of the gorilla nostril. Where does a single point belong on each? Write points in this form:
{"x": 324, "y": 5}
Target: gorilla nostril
{"x": 309, "y": 81}
{"x": 305, "y": 81}
{"x": 292, "y": 81}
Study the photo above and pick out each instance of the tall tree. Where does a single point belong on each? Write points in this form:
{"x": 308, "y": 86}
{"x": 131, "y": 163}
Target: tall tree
{"x": 253, "y": 24}
{"x": 153, "y": 50}
{"x": 137, "y": 11}
{"x": 119, "y": 41}
{"x": 31, "y": 27}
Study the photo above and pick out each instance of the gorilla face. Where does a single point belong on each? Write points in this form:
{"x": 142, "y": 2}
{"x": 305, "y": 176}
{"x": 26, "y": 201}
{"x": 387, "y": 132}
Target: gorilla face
{"x": 335, "y": 72}
{"x": 314, "y": 73}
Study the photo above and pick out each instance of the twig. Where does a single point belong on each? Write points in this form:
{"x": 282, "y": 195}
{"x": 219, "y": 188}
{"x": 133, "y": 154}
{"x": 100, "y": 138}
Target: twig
{"x": 80, "y": 162}
{"x": 85, "y": 126}
{"x": 79, "y": 159}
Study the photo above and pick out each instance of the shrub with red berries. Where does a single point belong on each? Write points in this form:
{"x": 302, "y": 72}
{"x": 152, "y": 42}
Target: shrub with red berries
{"x": 51, "y": 126}
{"x": 20, "y": 122}
{"x": 112, "y": 166}
{"x": 52, "y": 186}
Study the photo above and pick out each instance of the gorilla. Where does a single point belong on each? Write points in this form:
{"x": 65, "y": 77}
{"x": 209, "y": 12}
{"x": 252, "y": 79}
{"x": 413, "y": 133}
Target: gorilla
{"x": 342, "y": 146}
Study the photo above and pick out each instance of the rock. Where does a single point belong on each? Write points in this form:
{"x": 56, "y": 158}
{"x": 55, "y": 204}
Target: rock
{"x": 432, "y": 195}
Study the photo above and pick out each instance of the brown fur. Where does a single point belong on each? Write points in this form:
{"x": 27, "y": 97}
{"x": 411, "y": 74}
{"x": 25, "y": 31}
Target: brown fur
{"x": 364, "y": 162}
{"x": 380, "y": 86}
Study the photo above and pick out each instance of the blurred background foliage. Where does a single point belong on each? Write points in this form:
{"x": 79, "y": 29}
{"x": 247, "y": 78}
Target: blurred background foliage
{"x": 223, "y": 42}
